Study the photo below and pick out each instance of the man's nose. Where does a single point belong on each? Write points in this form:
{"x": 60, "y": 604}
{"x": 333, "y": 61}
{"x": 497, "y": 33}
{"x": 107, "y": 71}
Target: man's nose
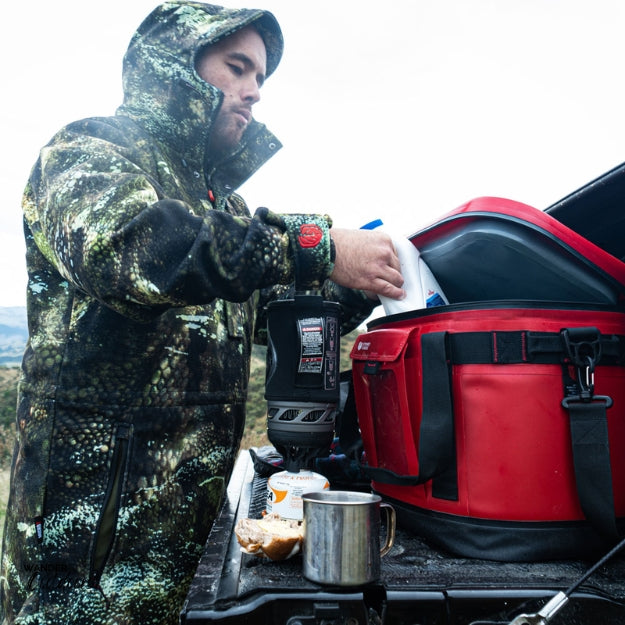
{"x": 251, "y": 92}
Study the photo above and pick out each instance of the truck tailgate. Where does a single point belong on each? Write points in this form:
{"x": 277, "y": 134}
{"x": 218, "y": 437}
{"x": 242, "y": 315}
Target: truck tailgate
{"x": 419, "y": 585}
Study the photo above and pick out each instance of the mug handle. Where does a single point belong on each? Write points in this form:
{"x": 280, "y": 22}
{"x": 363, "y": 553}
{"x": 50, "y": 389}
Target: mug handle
{"x": 390, "y": 528}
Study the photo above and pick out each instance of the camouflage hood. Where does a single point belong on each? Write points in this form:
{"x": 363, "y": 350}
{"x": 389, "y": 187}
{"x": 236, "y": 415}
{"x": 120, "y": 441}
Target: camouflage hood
{"x": 163, "y": 91}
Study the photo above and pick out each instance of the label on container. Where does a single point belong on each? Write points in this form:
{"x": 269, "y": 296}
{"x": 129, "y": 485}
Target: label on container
{"x": 311, "y": 345}
{"x": 285, "y": 490}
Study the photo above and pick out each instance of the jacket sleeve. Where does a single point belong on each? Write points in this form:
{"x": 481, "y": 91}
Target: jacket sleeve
{"x": 109, "y": 229}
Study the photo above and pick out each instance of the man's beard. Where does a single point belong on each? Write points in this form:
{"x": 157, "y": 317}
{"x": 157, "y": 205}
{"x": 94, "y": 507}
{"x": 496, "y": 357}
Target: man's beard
{"x": 225, "y": 137}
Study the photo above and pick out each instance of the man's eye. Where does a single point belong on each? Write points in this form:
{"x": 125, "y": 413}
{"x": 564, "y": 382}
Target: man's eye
{"x": 235, "y": 69}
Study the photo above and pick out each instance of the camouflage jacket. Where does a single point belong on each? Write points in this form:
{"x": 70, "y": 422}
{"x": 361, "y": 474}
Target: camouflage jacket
{"x": 147, "y": 281}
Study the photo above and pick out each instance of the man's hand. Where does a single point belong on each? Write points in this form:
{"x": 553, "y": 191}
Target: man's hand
{"x": 366, "y": 260}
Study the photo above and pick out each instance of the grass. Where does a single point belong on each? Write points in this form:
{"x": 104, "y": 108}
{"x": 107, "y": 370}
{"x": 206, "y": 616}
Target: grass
{"x": 8, "y": 398}
{"x": 4, "y": 495}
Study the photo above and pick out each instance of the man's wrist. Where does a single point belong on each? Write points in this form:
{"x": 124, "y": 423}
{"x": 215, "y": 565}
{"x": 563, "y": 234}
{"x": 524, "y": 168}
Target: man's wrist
{"x": 309, "y": 236}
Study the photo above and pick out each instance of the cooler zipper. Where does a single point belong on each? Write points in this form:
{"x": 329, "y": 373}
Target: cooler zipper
{"x": 105, "y": 532}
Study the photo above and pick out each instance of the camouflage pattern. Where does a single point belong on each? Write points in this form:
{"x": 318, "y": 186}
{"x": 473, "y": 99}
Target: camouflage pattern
{"x": 143, "y": 298}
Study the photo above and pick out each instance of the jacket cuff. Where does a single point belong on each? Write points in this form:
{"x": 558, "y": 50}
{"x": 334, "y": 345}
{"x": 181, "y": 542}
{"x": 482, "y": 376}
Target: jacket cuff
{"x": 309, "y": 239}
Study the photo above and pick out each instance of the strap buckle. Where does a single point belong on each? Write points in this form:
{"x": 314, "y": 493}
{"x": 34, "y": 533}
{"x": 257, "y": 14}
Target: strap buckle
{"x": 567, "y": 401}
{"x": 583, "y": 349}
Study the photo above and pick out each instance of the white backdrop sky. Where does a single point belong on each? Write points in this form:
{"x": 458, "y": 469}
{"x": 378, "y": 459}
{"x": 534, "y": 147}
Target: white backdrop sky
{"x": 402, "y": 109}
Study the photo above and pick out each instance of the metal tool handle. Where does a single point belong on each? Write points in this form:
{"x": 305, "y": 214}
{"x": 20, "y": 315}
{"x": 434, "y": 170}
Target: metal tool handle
{"x": 543, "y": 616}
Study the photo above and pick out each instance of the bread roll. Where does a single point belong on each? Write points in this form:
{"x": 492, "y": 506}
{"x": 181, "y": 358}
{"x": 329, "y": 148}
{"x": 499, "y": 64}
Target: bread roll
{"x": 271, "y": 536}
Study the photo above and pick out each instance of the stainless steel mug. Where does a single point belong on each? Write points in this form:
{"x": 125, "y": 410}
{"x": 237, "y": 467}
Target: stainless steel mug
{"x": 342, "y": 537}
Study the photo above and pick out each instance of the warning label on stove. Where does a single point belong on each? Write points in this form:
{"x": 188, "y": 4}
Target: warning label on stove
{"x": 311, "y": 341}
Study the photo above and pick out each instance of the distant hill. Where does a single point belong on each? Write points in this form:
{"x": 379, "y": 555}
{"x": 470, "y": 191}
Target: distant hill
{"x": 13, "y": 335}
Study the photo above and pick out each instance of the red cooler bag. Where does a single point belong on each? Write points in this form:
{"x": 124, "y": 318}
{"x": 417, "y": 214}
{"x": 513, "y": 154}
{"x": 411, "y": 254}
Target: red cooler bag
{"x": 497, "y": 427}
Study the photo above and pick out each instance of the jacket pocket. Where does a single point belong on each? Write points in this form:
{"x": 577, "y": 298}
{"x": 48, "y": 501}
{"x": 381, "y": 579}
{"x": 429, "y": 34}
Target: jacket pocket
{"x": 105, "y": 530}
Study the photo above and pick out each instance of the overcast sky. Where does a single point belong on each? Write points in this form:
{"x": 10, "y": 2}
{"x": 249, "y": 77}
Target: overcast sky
{"x": 403, "y": 109}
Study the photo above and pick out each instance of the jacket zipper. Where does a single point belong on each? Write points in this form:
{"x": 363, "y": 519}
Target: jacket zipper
{"x": 105, "y": 532}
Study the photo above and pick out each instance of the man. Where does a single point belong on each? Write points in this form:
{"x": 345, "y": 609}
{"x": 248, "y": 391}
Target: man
{"x": 147, "y": 281}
